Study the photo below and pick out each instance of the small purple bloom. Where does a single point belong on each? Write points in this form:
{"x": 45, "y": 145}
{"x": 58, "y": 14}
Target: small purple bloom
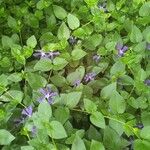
{"x": 89, "y": 76}
{"x": 121, "y": 49}
{"x": 33, "y": 130}
{"x": 148, "y": 46}
{"x": 139, "y": 126}
{"x": 48, "y": 94}
{"x": 72, "y": 40}
{"x": 96, "y": 58}
{"x": 77, "y": 83}
{"x": 41, "y": 54}
{"x": 102, "y": 6}
{"x": 147, "y": 82}
{"x": 27, "y": 111}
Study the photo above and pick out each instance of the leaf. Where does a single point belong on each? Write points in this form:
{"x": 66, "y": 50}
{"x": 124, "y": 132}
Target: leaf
{"x": 59, "y": 63}
{"x": 78, "y": 144}
{"x": 43, "y": 65}
{"x": 95, "y": 145}
{"x": 97, "y": 119}
{"x": 77, "y": 54}
{"x": 15, "y": 77}
{"x": 145, "y": 133}
{"x": 146, "y": 34}
{"x": 56, "y": 130}
{"x": 73, "y": 21}
{"x": 72, "y": 99}
{"x": 107, "y": 91}
{"x": 58, "y": 80}
{"x": 35, "y": 81}
{"x": 5, "y": 137}
{"x": 44, "y": 111}
{"x": 117, "y": 104}
{"x": 136, "y": 35}
{"x": 141, "y": 145}
{"x": 63, "y": 32}
{"x": 59, "y": 12}
{"x": 90, "y": 106}
{"x": 145, "y": 9}
{"x": 32, "y": 42}
{"x": 27, "y": 148}
{"x": 91, "y": 3}
{"x": 12, "y": 23}
{"x": 62, "y": 114}
{"x": 6, "y": 42}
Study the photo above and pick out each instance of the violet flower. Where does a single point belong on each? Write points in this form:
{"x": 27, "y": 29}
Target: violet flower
{"x": 139, "y": 126}
{"x": 96, "y": 58}
{"x": 147, "y": 82}
{"x": 148, "y": 46}
{"x": 27, "y": 111}
{"x": 72, "y": 40}
{"x": 41, "y": 54}
{"x": 89, "y": 76}
{"x": 102, "y": 6}
{"x": 76, "y": 83}
{"x": 121, "y": 49}
{"x": 48, "y": 94}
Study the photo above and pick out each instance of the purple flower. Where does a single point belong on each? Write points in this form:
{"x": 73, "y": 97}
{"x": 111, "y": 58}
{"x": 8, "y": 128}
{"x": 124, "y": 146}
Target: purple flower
{"x": 147, "y": 82}
{"x": 121, "y": 49}
{"x": 42, "y": 54}
{"x": 27, "y": 111}
{"x": 148, "y": 46}
{"x": 96, "y": 58}
{"x": 77, "y": 83}
{"x": 72, "y": 40}
{"x": 139, "y": 126}
{"x": 48, "y": 94}
{"x": 89, "y": 76}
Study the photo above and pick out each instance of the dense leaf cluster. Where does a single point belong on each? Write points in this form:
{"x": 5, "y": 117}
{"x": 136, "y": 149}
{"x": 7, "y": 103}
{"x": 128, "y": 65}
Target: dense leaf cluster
{"x": 75, "y": 75}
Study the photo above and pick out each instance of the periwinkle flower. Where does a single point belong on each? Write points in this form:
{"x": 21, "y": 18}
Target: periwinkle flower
{"x": 148, "y": 46}
{"x": 121, "y": 49}
{"x": 96, "y": 58}
{"x": 72, "y": 40}
{"x": 41, "y": 54}
{"x": 139, "y": 126}
{"x": 89, "y": 77}
{"x": 48, "y": 94}
{"x": 102, "y": 6}
{"x": 147, "y": 82}
{"x": 76, "y": 83}
{"x": 27, "y": 111}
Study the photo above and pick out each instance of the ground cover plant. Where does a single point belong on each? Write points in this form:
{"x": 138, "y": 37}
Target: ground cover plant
{"x": 74, "y": 75}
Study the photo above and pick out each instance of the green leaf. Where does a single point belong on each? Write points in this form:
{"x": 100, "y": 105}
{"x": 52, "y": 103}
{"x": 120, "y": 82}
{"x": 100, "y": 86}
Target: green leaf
{"x": 145, "y": 9}
{"x": 43, "y": 65}
{"x": 59, "y": 12}
{"x": 35, "y": 81}
{"x": 77, "y": 75}
{"x": 62, "y": 114}
{"x": 12, "y": 23}
{"x": 58, "y": 80}
{"x": 72, "y": 99}
{"x": 6, "y": 42}
{"x": 91, "y": 3}
{"x": 145, "y": 133}
{"x": 95, "y": 145}
{"x": 77, "y": 54}
{"x": 117, "y": 103}
{"x": 78, "y": 144}
{"x": 63, "y": 32}
{"x": 141, "y": 145}
{"x": 73, "y": 21}
{"x": 59, "y": 63}
{"x": 5, "y": 137}
{"x": 89, "y": 106}
{"x": 136, "y": 35}
{"x": 56, "y": 130}
{"x": 32, "y": 42}
{"x": 15, "y": 77}
{"x": 107, "y": 91}
{"x": 146, "y": 34}
{"x": 27, "y": 148}
{"x": 97, "y": 119}
{"x": 44, "y": 111}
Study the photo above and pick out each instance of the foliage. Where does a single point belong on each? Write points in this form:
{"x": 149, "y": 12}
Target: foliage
{"x": 74, "y": 75}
